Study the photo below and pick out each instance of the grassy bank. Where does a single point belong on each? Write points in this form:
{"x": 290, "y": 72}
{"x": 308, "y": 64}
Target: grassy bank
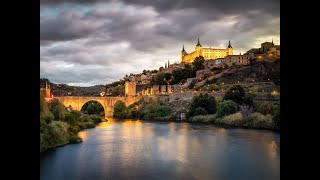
{"x": 236, "y": 109}
{"x": 59, "y": 127}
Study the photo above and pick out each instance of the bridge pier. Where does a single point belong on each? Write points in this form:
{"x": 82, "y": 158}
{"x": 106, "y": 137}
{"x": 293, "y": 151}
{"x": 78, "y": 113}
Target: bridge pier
{"x": 108, "y": 113}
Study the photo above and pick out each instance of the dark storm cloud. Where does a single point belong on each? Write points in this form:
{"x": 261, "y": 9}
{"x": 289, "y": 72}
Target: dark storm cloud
{"x": 122, "y": 34}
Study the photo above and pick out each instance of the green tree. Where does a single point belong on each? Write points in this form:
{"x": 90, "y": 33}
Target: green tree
{"x": 198, "y": 63}
{"x": 236, "y": 93}
{"x": 43, "y": 105}
{"x": 120, "y": 110}
{"x": 204, "y": 101}
{"x": 226, "y": 107}
{"x": 93, "y": 107}
{"x": 58, "y": 110}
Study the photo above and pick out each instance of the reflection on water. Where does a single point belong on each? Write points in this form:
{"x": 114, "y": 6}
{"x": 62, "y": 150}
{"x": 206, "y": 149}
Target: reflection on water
{"x": 134, "y": 149}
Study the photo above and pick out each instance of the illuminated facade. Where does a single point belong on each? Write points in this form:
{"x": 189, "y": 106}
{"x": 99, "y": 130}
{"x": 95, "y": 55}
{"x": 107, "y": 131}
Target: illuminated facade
{"x": 207, "y": 53}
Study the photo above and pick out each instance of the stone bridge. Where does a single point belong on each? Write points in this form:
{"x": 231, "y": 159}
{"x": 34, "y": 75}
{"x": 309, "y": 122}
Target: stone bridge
{"x": 77, "y": 102}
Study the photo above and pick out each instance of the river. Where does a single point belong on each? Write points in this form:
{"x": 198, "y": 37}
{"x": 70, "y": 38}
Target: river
{"x": 134, "y": 149}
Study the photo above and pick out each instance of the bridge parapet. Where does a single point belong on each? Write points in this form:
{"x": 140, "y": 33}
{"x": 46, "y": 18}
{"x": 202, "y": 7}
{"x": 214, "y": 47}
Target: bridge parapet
{"x": 77, "y": 102}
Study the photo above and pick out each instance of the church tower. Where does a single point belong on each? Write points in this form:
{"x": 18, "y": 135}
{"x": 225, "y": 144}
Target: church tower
{"x": 229, "y": 49}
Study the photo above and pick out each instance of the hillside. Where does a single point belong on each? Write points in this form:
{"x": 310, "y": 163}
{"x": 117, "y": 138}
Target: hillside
{"x": 65, "y": 90}
{"x": 260, "y": 77}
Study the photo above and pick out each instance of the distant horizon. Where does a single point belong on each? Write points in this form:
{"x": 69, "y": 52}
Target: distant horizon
{"x": 91, "y": 43}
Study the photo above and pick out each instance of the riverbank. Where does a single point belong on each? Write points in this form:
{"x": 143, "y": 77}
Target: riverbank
{"x": 57, "y": 133}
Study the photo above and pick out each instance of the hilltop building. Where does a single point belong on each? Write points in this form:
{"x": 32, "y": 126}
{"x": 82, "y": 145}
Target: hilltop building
{"x": 207, "y": 53}
{"x": 268, "y": 50}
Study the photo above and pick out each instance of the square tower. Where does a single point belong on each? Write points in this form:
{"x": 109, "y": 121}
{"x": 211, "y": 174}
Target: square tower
{"x": 130, "y": 88}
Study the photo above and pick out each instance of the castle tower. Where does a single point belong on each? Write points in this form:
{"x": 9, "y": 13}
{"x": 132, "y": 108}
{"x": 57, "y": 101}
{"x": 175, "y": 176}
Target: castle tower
{"x": 183, "y": 53}
{"x": 198, "y": 48}
{"x": 229, "y": 49}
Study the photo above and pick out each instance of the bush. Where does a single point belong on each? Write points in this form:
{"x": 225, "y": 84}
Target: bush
{"x": 276, "y": 116}
{"x": 235, "y": 119}
{"x": 70, "y": 119}
{"x": 200, "y": 111}
{"x": 74, "y": 139}
{"x": 204, "y": 101}
{"x": 163, "y": 111}
{"x": 203, "y": 118}
{"x": 73, "y": 130}
{"x": 258, "y": 120}
{"x": 227, "y": 107}
{"x": 58, "y": 111}
{"x": 236, "y": 93}
{"x": 85, "y": 118}
{"x": 96, "y": 118}
{"x": 248, "y": 100}
{"x": 214, "y": 87}
{"x": 120, "y": 110}
{"x": 265, "y": 108}
{"x": 76, "y": 114}
{"x": 86, "y": 125}
{"x": 58, "y": 133}
{"x": 48, "y": 118}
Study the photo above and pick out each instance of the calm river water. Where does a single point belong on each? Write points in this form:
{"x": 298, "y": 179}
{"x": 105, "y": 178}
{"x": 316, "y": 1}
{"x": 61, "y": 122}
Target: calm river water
{"x": 149, "y": 150}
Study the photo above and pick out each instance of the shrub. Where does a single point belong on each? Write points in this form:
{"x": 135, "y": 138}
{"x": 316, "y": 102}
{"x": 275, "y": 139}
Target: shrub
{"x": 214, "y": 87}
{"x": 248, "y": 100}
{"x": 70, "y": 119}
{"x": 74, "y": 139}
{"x": 163, "y": 111}
{"x": 96, "y": 118}
{"x": 236, "y": 93}
{"x": 200, "y": 111}
{"x": 203, "y": 118}
{"x": 73, "y": 130}
{"x": 204, "y": 101}
{"x": 258, "y": 120}
{"x": 48, "y": 118}
{"x": 76, "y": 114}
{"x": 85, "y": 118}
{"x": 120, "y": 110}
{"x": 227, "y": 107}
{"x": 276, "y": 116}
{"x": 266, "y": 108}
{"x": 86, "y": 125}
{"x": 58, "y": 111}
{"x": 58, "y": 133}
{"x": 235, "y": 119}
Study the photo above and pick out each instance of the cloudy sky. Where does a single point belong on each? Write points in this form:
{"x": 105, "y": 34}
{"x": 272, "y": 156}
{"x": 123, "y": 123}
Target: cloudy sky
{"x": 90, "y": 42}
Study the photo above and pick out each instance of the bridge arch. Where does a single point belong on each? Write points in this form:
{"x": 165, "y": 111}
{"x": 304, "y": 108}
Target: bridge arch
{"x": 91, "y": 101}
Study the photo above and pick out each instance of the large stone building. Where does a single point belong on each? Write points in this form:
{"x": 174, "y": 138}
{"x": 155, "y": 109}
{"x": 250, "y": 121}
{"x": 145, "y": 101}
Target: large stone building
{"x": 207, "y": 53}
{"x": 266, "y": 49}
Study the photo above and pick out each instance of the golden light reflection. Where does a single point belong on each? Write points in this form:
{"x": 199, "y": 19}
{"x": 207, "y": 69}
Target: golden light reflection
{"x": 272, "y": 149}
{"x": 84, "y": 135}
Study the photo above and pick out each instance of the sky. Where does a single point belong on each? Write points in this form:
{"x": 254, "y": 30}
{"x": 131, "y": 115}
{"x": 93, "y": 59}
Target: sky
{"x": 91, "y": 42}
